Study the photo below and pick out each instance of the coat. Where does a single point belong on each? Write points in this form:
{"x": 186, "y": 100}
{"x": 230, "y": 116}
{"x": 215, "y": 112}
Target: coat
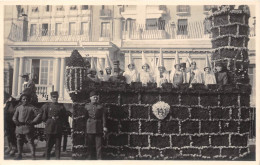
{"x": 24, "y": 114}
{"x": 96, "y": 118}
{"x": 54, "y": 114}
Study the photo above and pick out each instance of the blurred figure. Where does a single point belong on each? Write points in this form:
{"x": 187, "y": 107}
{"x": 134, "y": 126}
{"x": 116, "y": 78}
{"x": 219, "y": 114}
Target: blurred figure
{"x": 29, "y": 88}
{"x": 209, "y": 77}
{"x": 221, "y": 75}
{"x": 145, "y": 75}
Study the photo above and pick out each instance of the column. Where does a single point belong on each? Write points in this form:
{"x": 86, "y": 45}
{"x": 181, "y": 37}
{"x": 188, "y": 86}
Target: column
{"x": 128, "y": 28}
{"x": 62, "y": 68}
{"x": 57, "y": 74}
{"x": 20, "y": 79}
{"x": 118, "y": 28}
{"x": 15, "y": 77}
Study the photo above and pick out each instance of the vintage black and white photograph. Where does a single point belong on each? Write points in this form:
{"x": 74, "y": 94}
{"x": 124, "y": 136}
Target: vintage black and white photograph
{"x": 129, "y": 82}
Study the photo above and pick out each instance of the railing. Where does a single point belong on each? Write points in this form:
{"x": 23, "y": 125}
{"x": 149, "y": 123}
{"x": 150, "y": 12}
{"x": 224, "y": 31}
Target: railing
{"x": 192, "y": 30}
{"x": 105, "y": 13}
{"x": 43, "y": 91}
{"x": 54, "y": 36}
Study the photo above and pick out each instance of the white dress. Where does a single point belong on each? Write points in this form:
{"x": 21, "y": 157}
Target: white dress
{"x": 145, "y": 77}
{"x": 209, "y": 78}
{"x": 163, "y": 79}
{"x": 131, "y": 76}
{"x": 197, "y": 76}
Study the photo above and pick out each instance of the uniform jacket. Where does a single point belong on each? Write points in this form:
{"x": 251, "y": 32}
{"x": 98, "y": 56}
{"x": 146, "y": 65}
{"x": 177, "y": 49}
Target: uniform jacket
{"x": 54, "y": 114}
{"x": 221, "y": 78}
{"x": 96, "y": 118}
{"x": 119, "y": 79}
{"x": 24, "y": 114}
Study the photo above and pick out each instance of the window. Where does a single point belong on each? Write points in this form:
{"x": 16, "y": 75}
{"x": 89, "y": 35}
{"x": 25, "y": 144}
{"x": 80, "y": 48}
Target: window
{"x": 48, "y": 8}
{"x": 182, "y": 26}
{"x": 161, "y": 24}
{"x": 183, "y": 9}
{"x": 44, "y": 29}
{"x": 35, "y": 70}
{"x": 57, "y": 28}
{"x": 60, "y": 8}
{"x": 72, "y": 28}
{"x": 74, "y": 7}
{"x": 105, "y": 29}
{"x": 103, "y": 7}
{"x": 35, "y": 9}
{"x": 84, "y": 7}
{"x": 33, "y": 30}
{"x": 151, "y": 24}
{"x": 84, "y": 28}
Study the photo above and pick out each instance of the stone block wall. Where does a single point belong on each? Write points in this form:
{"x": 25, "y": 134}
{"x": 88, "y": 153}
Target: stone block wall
{"x": 200, "y": 125}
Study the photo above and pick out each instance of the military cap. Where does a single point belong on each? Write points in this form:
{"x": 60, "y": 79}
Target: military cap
{"x": 93, "y": 93}
{"x": 54, "y": 93}
{"x": 25, "y": 75}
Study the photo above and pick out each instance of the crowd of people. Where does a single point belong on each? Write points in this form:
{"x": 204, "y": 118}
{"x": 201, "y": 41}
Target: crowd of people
{"x": 181, "y": 73}
{"x": 21, "y": 115}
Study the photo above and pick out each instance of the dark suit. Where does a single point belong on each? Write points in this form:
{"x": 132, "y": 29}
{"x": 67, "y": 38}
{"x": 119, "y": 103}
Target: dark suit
{"x": 96, "y": 121}
{"x": 54, "y": 115}
{"x": 221, "y": 78}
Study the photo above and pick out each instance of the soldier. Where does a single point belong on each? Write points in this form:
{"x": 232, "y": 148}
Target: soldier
{"x": 54, "y": 115}
{"x": 95, "y": 126}
{"x": 25, "y": 117}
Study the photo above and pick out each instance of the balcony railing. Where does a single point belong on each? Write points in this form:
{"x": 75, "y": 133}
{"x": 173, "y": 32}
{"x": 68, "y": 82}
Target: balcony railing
{"x": 105, "y": 13}
{"x": 192, "y": 30}
{"x": 53, "y": 36}
{"x": 43, "y": 91}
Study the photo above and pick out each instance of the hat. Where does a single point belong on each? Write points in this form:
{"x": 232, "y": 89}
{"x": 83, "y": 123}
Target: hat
{"x": 54, "y": 93}
{"x": 183, "y": 65}
{"x": 25, "y": 75}
{"x": 108, "y": 62}
{"x": 93, "y": 65}
{"x": 177, "y": 59}
{"x": 144, "y": 60}
{"x": 161, "y": 62}
{"x": 130, "y": 59}
{"x": 218, "y": 63}
{"x": 99, "y": 66}
{"x": 207, "y": 65}
{"x": 93, "y": 93}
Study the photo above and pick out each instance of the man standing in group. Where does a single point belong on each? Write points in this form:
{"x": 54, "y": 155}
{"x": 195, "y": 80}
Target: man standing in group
{"x": 25, "y": 117}
{"x": 54, "y": 115}
{"x": 95, "y": 126}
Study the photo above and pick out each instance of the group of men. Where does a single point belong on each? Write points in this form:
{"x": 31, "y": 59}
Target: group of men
{"x": 180, "y": 73}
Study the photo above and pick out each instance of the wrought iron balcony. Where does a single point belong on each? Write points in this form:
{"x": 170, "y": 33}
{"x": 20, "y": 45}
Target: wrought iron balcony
{"x": 55, "y": 36}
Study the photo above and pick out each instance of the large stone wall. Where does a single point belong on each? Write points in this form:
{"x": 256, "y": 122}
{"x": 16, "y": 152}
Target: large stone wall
{"x": 202, "y": 124}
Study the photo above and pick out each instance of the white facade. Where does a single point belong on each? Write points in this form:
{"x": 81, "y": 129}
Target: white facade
{"x": 54, "y": 31}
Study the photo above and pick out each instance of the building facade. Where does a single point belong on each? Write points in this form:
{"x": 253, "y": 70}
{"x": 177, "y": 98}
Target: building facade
{"x": 41, "y": 37}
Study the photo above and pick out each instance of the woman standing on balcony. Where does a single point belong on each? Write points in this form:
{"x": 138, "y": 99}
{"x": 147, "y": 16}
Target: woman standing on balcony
{"x": 162, "y": 75}
{"x": 108, "y": 69}
{"x": 145, "y": 74}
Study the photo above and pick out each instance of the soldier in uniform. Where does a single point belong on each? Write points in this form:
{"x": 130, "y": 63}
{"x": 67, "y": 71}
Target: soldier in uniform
{"x": 95, "y": 126}
{"x": 54, "y": 115}
{"x": 25, "y": 117}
